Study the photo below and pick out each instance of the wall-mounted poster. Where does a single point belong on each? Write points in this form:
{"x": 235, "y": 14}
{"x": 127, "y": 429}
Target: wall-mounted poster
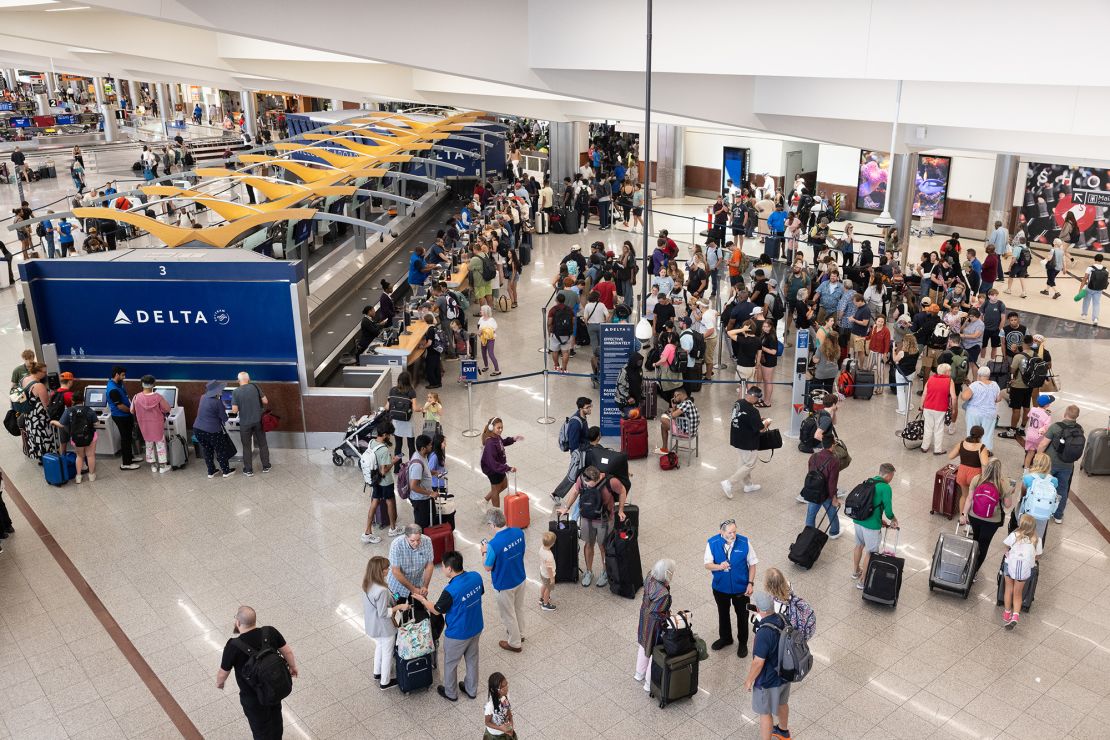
{"x": 1053, "y": 191}
{"x": 931, "y": 189}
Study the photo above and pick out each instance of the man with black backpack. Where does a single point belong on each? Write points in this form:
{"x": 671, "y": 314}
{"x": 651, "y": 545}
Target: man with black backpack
{"x": 1063, "y": 443}
{"x": 582, "y": 205}
{"x": 1095, "y": 280}
{"x": 573, "y": 438}
{"x": 599, "y": 498}
{"x": 560, "y": 332}
{"x": 866, "y": 505}
{"x": 264, "y": 668}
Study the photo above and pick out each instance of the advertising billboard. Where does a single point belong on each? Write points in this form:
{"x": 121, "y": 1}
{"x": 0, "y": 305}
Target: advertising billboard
{"x": 1052, "y": 191}
{"x": 931, "y": 183}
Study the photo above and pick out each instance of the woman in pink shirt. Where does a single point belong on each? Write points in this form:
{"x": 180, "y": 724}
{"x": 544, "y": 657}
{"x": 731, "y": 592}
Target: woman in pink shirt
{"x": 150, "y": 409}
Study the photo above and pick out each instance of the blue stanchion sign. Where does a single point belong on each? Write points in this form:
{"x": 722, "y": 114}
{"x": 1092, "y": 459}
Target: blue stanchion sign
{"x": 617, "y": 345}
{"x": 469, "y": 370}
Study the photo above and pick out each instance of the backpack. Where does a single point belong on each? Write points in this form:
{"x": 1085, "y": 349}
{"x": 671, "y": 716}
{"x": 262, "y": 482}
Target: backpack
{"x": 1099, "y": 279}
{"x": 582, "y": 200}
{"x": 959, "y": 369}
{"x": 404, "y": 481}
{"x": 1034, "y": 371}
{"x": 373, "y": 476}
{"x": 21, "y": 398}
{"x": 800, "y": 616}
{"x": 452, "y": 306}
{"x": 815, "y": 488}
{"x": 681, "y": 359}
{"x": 437, "y": 341}
{"x": 698, "y": 352}
{"x": 984, "y": 500}
{"x": 564, "y": 433}
{"x": 668, "y": 461}
{"x": 653, "y": 357}
{"x": 40, "y": 230}
{"x": 778, "y": 308}
{"x": 1069, "y": 445}
{"x": 56, "y": 406}
{"x": 265, "y": 671}
{"x": 794, "y": 661}
{"x": 591, "y": 504}
{"x": 489, "y": 269}
{"x": 845, "y": 384}
{"x": 400, "y": 407}
{"x": 941, "y": 330}
{"x": 562, "y": 323}
{"x": 460, "y": 298}
{"x": 1041, "y": 499}
{"x": 82, "y": 425}
{"x": 860, "y": 504}
{"x": 807, "y": 433}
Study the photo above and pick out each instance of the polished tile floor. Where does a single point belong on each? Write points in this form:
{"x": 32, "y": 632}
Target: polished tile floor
{"x": 172, "y": 556}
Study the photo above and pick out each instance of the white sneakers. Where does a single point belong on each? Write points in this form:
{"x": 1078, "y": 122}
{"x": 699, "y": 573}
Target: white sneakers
{"x": 726, "y": 486}
{"x": 752, "y": 488}
{"x": 370, "y": 539}
{"x": 800, "y": 500}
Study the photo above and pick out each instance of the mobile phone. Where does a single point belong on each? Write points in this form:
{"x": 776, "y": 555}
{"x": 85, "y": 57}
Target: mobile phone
{"x": 751, "y": 608}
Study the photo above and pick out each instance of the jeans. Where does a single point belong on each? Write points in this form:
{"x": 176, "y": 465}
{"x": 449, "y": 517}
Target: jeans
{"x": 1091, "y": 301}
{"x": 248, "y": 435}
{"x": 934, "y": 431}
{"x": 739, "y": 604}
{"x": 830, "y": 511}
{"x": 49, "y": 241}
{"x": 987, "y": 421}
{"x": 714, "y": 282}
{"x": 624, "y": 287}
{"x": 1063, "y": 487}
{"x": 905, "y": 383}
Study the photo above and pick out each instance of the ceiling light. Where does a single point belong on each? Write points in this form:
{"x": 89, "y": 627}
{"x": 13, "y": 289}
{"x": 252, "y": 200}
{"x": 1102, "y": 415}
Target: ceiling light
{"x": 19, "y": 3}
{"x": 63, "y": 10}
{"x": 82, "y": 50}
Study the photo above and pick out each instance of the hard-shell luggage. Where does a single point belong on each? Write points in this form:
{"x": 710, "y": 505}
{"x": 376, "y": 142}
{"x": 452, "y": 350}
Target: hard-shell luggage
{"x": 1096, "y": 456}
{"x": 177, "y": 452}
{"x": 565, "y": 549}
{"x": 673, "y": 677}
{"x": 442, "y": 536}
{"x": 59, "y": 468}
{"x": 953, "y": 562}
{"x": 1027, "y": 592}
{"x": 622, "y": 560}
{"x": 516, "y": 510}
{"x": 863, "y": 387}
{"x": 946, "y": 494}
{"x": 650, "y": 404}
{"x": 883, "y": 579}
{"x": 414, "y": 674}
{"x": 811, "y": 540}
{"x": 634, "y": 438}
{"x": 772, "y": 245}
{"x": 693, "y": 376}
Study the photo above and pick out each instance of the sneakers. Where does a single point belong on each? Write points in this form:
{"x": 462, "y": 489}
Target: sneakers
{"x": 390, "y": 685}
{"x": 547, "y": 606}
{"x": 153, "y": 468}
{"x": 1044, "y": 292}
{"x": 1006, "y": 618}
{"x": 211, "y": 475}
{"x": 132, "y": 466}
{"x": 229, "y": 473}
{"x": 638, "y": 677}
{"x": 587, "y": 578}
{"x": 77, "y": 478}
{"x": 164, "y": 468}
{"x": 661, "y": 451}
{"x": 857, "y": 574}
{"x": 395, "y": 531}
{"x": 1013, "y": 620}
{"x": 92, "y": 477}
{"x": 859, "y": 584}
{"x": 752, "y": 488}
{"x": 726, "y": 486}
{"x": 835, "y": 536}
{"x": 1058, "y": 519}
{"x": 800, "y": 500}
{"x": 370, "y": 539}
{"x": 777, "y": 733}
{"x": 603, "y": 579}
{"x": 1008, "y": 433}
{"x": 495, "y": 373}
{"x": 248, "y": 473}
{"x": 267, "y": 469}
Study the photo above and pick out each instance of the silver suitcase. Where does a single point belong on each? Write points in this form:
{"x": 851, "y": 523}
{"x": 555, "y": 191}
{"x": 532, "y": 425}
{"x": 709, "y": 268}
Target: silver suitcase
{"x": 177, "y": 451}
{"x": 1096, "y": 458}
{"x": 954, "y": 562}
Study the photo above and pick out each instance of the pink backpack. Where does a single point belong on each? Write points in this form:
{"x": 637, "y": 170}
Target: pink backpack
{"x": 984, "y": 501}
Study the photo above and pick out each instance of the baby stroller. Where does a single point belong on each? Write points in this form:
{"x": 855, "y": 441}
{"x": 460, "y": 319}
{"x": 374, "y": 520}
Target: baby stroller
{"x": 357, "y": 439}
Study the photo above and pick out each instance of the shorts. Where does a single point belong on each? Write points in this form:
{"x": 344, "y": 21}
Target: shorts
{"x": 745, "y": 373}
{"x": 964, "y": 474}
{"x": 1031, "y": 442}
{"x": 1020, "y": 398}
{"x": 382, "y": 492}
{"x": 1019, "y": 271}
{"x": 859, "y": 344}
{"x": 994, "y": 338}
{"x": 554, "y": 344}
{"x": 548, "y": 583}
{"x": 496, "y": 479}
{"x": 594, "y": 531}
{"x": 768, "y": 701}
{"x": 869, "y": 538}
{"x": 638, "y": 211}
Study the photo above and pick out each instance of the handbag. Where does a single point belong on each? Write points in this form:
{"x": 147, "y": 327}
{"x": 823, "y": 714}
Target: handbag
{"x": 1051, "y": 384}
{"x": 270, "y": 421}
{"x": 770, "y": 439}
{"x": 227, "y": 446}
{"x": 841, "y": 451}
{"x": 414, "y": 639}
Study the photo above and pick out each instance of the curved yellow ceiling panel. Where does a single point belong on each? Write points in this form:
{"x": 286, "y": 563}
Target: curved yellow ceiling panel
{"x": 226, "y": 209}
{"x": 214, "y": 236}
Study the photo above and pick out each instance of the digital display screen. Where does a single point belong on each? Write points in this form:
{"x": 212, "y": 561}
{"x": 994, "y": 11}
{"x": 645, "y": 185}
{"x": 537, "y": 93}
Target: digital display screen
{"x": 170, "y": 394}
{"x": 20, "y": 122}
{"x": 930, "y": 183}
{"x": 96, "y": 397}
{"x": 6, "y": 106}
{"x": 226, "y": 398}
{"x": 67, "y": 120}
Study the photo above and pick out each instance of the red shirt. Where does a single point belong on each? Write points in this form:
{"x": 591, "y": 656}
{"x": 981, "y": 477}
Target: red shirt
{"x": 879, "y": 340}
{"x": 990, "y": 268}
{"x": 607, "y": 291}
{"x": 936, "y": 393}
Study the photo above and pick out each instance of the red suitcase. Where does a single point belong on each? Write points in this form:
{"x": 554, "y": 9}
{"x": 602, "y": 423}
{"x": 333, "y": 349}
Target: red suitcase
{"x": 442, "y": 536}
{"x": 634, "y": 438}
{"x": 517, "y": 513}
{"x": 946, "y": 494}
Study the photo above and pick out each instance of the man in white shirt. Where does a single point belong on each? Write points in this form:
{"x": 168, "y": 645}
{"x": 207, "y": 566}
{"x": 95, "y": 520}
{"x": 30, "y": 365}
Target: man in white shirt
{"x": 546, "y": 203}
{"x": 705, "y": 321}
{"x": 731, "y": 559}
{"x": 587, "y": 172}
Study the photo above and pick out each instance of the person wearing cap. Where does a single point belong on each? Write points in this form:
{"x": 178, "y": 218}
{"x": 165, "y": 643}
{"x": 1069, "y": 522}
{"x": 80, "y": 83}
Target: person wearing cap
{"x": 574, "y": 255}
{"x": 1021, "y": 395}
{"x": 744, "y": 428}
{"x": 770, "y": 691}
{"x": 681, "y": 421}
{"x": 704, "y": 320}
{"x": 732, "y": 560}
{"x": 981, "y": 403}
{"x": 746, "y": 345}
{"x": 1037, "y": 423}
{"x": 93, "y": 243}
{"x": 65, "y": 387}
{"x": 1037, "y": 349}
{"x": 1052, "y": 444}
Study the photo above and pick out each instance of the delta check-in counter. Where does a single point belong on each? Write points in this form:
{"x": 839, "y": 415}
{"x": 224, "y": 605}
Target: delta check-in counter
{"x": 188, "y": 316}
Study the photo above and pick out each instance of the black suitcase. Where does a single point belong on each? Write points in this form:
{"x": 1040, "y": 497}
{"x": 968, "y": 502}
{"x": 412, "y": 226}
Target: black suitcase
{"x": 565, "y": 550}
{"x": 883, "y": 579}
{"x": 650, "y": 403}
{"x": 581, "y": 333}
{"x": 622, "y": 561}
{"x": 864, "y": 385}
{"x": 1026, "y": 594}
{"x": 569, "y": 220}
{"x": 811, "y": 540}
{"x": 771, "y": 247}
{"x": 632, "y": 516}
{"x": 524, "y": 254}
{"x": 673, "y": 677}
{"x": 694, "y": 373}
{"x": 414, "y": 674}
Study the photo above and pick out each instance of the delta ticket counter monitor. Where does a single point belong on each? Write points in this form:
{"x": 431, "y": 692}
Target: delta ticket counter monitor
{"x": 232, "y": 423}
{"x": 175, "y": 420}
{"x": 107, "y": 434}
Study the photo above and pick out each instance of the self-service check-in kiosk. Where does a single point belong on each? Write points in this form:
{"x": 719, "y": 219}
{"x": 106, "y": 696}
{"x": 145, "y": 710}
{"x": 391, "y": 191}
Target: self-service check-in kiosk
{"x": 232, "y": 423}
{"x": 175, "y": 420}
{"x": 107, "y": 434}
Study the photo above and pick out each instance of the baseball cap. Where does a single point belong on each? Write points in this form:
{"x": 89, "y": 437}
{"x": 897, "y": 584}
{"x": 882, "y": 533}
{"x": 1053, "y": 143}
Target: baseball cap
{"x": 926, "y": 301}
{"x": 69, "y": 376}
{"x": 754, "y": 390}
{"x": 1044, "y": 399}
{"x": 763, "y": 601}
{"x": 576, "y": 248}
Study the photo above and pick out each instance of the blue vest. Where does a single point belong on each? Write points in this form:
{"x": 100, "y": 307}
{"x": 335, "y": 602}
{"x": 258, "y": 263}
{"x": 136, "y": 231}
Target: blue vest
{"x": 735, "y": 579}
{"x": 464, "y": 618}
{"x": 507, "y": 547}
{"x": 113, "y": 385}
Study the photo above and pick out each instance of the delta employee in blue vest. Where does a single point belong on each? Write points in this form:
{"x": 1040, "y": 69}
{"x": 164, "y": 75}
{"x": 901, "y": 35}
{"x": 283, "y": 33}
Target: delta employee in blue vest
{"x": 504, "y": 559}
{"x": 731, "y": 559}
{"x": 460, "y": 605}
{"x": 119, "y": 405}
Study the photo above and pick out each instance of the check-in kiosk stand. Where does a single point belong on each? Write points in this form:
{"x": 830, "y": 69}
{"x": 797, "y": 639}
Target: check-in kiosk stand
{"x": 175, "y": 421}
{"x": 232, "y": 423}
{"x": 107, "y": 434}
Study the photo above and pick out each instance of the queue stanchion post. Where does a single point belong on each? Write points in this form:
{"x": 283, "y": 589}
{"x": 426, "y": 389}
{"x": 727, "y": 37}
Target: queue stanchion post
{"x": 546, "y": 418}
{"x": 470, "y": 374}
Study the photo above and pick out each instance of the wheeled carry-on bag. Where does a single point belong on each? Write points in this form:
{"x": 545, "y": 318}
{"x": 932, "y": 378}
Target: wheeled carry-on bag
{"x": 517, "y": 513}
{"x": 634, "y": 438}
{"x": 673, "y": 677}
{"x": 1096, "y": 456}
{"x": 622, "y": 560}
{"x": 863, "y": 387}
{"x": 954, "y": 562}
{"x": 883, "y": 579}
{"x": 59, "y": 468}
{"x": 177, "y": 452}
{"x": 565, "y": 549}
{"x": 414, "y": 674}
{"x": 442, "y": 536}
{"x": 1028, "y": 591}
{"x": 569, "y": 219}
{"x": 946, "y": 494}
{"x": 811, "y": 541}
{"x": 651, "y": 399}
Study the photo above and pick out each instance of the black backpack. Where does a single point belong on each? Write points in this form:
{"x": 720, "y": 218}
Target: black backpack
{"x": 860, "y": 503}
{"x": 582, "y": 200}
{"x": 1099, "y": 279}
{"x": 56, "y": 406}
{"x": 265, "y": 671}
{"x": 815, "y": 489}
{"x": 1034, "y": 371}
{"x": 489, "y": 269}
{"x": 562, "y": 323}
{"x": 40, "y": 229}
{"x": 653, "y": 356}
{"x": 82, "y": 425}
{"x": 591, "y": 504}
{"x": 698, "y": 352}
{"x": 400, "y": 407}
{"x": 778, "y": 308}
{"x": 1069, "y": 445}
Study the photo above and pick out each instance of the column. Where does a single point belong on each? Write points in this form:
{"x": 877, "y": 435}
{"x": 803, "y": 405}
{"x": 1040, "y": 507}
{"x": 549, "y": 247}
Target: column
{"x": 163, "y": 105}
{"x": 133, "y": 94}
{"x": 42, "y": 101}
{"x": 562, "y": 152}
{"x": 1002, "y": 191}
{"x": 98, "y": 90}
{"x": 670, "y": 167}
{"x": 336, "y": 104}
{"x": 175, "y": 94}
{"x": 250, "y": 111}
{"x": 12, "y": 78}
{"x": 903, "y": 181}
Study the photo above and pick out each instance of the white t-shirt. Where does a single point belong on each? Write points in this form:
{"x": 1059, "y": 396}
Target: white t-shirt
{"x": 1022, "y": 556}
{"x": 498, "y": 717}
{"x": 709, "y": 323}
{"x": 752, "y": 559}
{"x": 595, "y": 313}
{"x": 490, "y": 322}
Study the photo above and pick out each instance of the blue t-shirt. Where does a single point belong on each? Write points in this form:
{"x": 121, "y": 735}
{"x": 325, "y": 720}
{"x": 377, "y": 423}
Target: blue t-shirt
{"x": 767, "y": 647}
{"x": 65, "y": 228}
{"x": 505, "y": 554}
{"x": 417, "y": 276}
{"x": 776, "y": 222}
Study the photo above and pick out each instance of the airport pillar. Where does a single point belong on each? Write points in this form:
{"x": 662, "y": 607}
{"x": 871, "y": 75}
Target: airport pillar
{"x": 12, "y": 78}
{"x": 98, "y": 90}
{"x": 250, "y": 111}
{"x": 163, "y": 106}
{"x": 670, "y": 165}
{"x": 562, "y": 152}
{"x": 133, "y": 91}
{"x": 1002, "y": 191}
{"x": 903, "y": 183}
{"x": 42, "y": 102}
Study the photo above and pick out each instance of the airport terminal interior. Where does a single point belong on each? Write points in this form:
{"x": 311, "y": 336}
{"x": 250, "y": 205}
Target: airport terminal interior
{"x": 223, "y": 224}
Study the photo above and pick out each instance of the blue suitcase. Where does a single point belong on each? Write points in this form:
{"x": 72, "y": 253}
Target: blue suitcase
{"x": 414, "y": 674}
{"x": 59, "y": 469}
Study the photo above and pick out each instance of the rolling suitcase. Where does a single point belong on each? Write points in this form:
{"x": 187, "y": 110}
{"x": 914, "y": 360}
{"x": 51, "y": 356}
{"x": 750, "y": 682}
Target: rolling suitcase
{"x": 1027, "y": 592}
{"x": 632, "y": 516}
{"x": 565, "y": 549}
{"x": 771, "y": 247}
{"x": 634, "y": 438}
{"x": 622, "y": 561}
{"x": 883, "y": 579}
{"x": 442, "y": 536}
{"x": 954, "y": 562}
{"x": 946, "y": 494}
{"x": 517, "y": 513}
{"x": 811, "y": 540}
{"x": 59, "y": 468}
{"x": 414, "y": 674}
{"x": 1096, "y": 456}
{"x": 177, "y": 452}
{"x": 863, "y": 386}
{"x": 650, "y": 403}
{"x": 569, "y": 220}
{"x": 673, "y": 677}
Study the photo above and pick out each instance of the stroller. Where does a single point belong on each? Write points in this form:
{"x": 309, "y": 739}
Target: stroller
{"x": 357, "y": 438}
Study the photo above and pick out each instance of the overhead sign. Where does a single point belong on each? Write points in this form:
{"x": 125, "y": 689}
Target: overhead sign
{"x": 618, "y": 342}
{"x": 1092, "y": 197}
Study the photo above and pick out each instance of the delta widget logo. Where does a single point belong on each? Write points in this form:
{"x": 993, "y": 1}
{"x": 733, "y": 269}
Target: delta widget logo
{"x": 219, "y": 317}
